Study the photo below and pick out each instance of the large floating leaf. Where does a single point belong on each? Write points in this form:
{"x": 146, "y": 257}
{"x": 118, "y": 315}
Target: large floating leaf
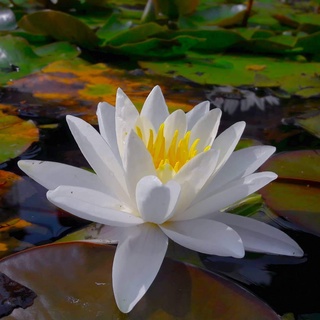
{"x": 295, "y": 194}
{"x": 127, "y": 35}
{"x": 16, "y": 135}
{"x": 18, "y": 59}
{"x": 60, "y": 26}
{"x": 75, "y": 283}
{"x": 210, "y": 39}
{"x": 157, "y": 48}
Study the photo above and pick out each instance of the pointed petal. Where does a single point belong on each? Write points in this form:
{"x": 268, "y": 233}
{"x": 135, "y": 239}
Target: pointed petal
{"x": 92, "y": 205}
{"x": 260, "y": 237}
{"x": 232, "y": 192}
{"x": 136, "y": 263}
{"x": 53, "y": 174}
{"x": 206, "y": 236}
{"x": 175, "y": 121}
{"x": 99, "y": 155}
{"x": 156, "y": 201}
{"x": 137, "y": 162}
{"x": 198, "y": 111}
{"x": 193, "y": 176}
{"x": 155, "y": 108}
{"x": 240, "y": 164}
{"x": 125, "y": 118}
{"x": 227, "y": 141}
{"x": 107, "y": 126}
{"x": 206, "y": 129}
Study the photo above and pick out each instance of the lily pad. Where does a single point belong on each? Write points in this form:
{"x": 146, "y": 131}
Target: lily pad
{"x": 78, "y": 286}
{"x": 19, "y": 59}
{"x": 16, "y": 136}
{"x": 60, "y": 26}
{"x": 295, "y": 194}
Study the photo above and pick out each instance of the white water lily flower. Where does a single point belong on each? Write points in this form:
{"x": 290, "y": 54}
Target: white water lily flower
{"x": 160, "y": 176}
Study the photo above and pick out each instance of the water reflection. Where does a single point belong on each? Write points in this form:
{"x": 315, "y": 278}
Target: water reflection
{"x": 231, "y": 99}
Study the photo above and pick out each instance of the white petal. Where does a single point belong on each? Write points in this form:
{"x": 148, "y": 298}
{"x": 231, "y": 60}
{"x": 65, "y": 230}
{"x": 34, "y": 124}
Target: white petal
{"x": 240, "y": 164}
{"x": 260, "y": 237}
{"x": 227, "y": 141}
{"x": 99, "y": 155}
{"x": 107, "y": 126}
{"x": 193, "y": 176}
{"x": 155, "y": 108}
{"x": 137, "y": 162}
{"x": 206, "y": 129}
{"x": 175, "y": 121}
{"x": 53, "y": 174}
{"x": 136, "y": 263}
{"x": 156, "y": 201}
{"x": 92, "y": 205}
{"x": 198, "y": 111}
{"x": 206, "y": 236}
{"x": 231, "y": 193}
{"x": 125, "y": 118}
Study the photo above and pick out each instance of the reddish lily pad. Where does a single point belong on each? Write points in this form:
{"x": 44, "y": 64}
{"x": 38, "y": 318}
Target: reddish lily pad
{"x": 16, "y": 135}
{"x": 13, "y": 295}
{"x": 295, "y": 194}
{"x": 75, "y": 283}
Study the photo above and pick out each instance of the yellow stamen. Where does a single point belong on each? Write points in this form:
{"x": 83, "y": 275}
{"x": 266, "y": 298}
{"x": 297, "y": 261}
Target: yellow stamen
{"x": 170, "y": 156}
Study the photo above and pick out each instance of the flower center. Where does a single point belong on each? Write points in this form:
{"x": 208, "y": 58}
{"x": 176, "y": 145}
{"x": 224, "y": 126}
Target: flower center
{"x": 169, "y": 156}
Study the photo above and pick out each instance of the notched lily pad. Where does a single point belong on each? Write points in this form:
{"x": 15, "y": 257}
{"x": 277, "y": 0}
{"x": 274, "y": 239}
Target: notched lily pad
{"x": 179, "y": 291}
{"x": 13, "y": 295}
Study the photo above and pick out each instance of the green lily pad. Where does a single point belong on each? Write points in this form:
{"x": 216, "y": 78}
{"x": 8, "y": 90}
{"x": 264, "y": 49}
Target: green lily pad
{"x": 223, "y": 15}
{"x": 78, "y": 286}
{"x": 19, "y": 59}
{"x": 60, "y": 26}
{"x": 310, "y": 43}
{"x": 129, "y": 35}
{"x": 295, "y": 194}
{"x": 211, "y": 39}
{"x": 112, "y": 28}
{"x": 154, "y": 47}
{"x": 16, "y": 136}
